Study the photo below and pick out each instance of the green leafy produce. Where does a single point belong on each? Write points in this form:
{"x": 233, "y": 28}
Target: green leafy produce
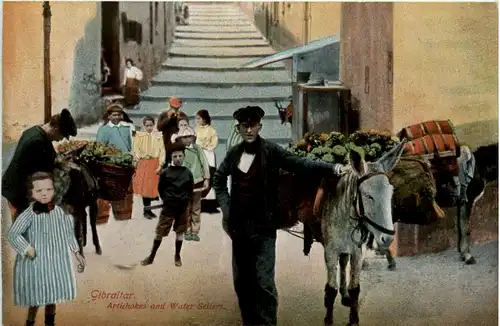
{"x": 100, "y": 152}
{"x": 335, "y": 147}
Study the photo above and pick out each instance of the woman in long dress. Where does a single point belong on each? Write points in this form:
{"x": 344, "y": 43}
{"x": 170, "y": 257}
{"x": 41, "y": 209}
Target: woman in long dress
{"x": 206, "y": 137}
{"x": 131, "y": 79}
{"x": 43, "y": 237}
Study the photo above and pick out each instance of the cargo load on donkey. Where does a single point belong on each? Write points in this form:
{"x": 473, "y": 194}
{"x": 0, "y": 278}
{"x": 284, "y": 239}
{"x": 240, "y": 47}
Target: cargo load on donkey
{"x": 436, "y": 142}
{"x": 112, "y": 168}
{"x": 414, "y": 192}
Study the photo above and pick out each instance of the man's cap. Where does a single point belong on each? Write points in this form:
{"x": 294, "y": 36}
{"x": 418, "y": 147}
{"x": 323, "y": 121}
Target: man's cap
{"x": 175, "y": 102}
{"x": 249, "y": 114}
{"x": 67, "y": 125}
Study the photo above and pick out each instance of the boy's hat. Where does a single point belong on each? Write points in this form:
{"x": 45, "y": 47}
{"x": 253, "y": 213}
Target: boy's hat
{"x": 184, "y": 132}
{"x": 113, "y": 107}
{"x": 249, "y": 114}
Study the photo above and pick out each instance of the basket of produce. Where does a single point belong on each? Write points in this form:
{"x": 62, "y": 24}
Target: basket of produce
{"x": 335, "y": 148}
{"x": 72, "y": 148}
{"x": 112, "y": 168}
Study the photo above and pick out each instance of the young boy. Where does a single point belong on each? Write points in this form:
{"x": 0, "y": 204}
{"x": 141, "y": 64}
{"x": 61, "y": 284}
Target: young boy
{"x": 197, "y": 163}
{"x": 176, "y": 191}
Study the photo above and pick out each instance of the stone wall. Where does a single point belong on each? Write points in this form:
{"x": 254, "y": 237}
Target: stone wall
{"x": 74, "y": 46}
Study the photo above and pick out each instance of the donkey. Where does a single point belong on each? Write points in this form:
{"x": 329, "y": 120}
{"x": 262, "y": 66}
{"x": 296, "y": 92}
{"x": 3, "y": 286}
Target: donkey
{"x": 476, "y": 171}
{"x": 81, "y": 193}
{"x": 286, "y": 113}
{"x": 358, "y": 204}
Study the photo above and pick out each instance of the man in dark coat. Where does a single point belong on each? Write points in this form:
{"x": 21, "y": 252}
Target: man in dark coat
{"x": 250, "y": 213}
{"x": 34, "y": 153}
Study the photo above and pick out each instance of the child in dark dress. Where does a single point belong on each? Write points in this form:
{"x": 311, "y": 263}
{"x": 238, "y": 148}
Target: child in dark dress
{"x": 176, "y": 191}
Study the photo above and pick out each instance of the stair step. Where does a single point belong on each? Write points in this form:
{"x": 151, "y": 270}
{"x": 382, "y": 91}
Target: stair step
{"x": 234, "y": 94}
{"x": 217, "y": 36}
{"x": 218, "y": 22}
{"x": 222, "y": 111}
{"x": 216, "y": 29}
{"x": 216, "y": 64}
{"x": 220, "y": 52}
{"x": 222, "y": 78}
{"x": 220, "y": 43}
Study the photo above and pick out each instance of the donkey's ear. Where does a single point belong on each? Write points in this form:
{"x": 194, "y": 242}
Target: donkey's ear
{"x": 358, "y": 163}
{"x": 391, "y": 158}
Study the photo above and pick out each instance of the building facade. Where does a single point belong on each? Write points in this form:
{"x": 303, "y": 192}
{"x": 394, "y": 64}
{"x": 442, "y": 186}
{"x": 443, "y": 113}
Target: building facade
{"x": 290, "y": 24}
{"x": 142, "y": 31}
{"x": 406, "y": 63}
{"x": 411, "y": 62}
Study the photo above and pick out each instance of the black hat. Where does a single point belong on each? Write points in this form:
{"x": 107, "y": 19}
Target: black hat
{"x": 176, "y": 147}
{"x": 249, "y": 114}
{"x": 67, "y": 125}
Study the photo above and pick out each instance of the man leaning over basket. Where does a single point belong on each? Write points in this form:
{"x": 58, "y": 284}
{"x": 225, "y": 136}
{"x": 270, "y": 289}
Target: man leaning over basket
{"x": 34, "y": 153}
{"x": 118, "y": 134}
{"x": 250, "y": 212}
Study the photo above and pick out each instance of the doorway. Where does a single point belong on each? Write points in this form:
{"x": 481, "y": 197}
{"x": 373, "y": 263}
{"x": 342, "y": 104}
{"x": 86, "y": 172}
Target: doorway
{"x": 110, "y": 45}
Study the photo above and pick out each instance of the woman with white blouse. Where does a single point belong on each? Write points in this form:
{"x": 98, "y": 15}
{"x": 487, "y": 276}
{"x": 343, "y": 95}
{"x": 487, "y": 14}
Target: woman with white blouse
{"x": 131, "y": 79}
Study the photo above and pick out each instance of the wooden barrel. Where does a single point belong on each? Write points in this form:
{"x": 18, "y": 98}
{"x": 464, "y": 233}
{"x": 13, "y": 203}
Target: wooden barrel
{"x": 102, "y": 211}
{"x": 122, "y": 210}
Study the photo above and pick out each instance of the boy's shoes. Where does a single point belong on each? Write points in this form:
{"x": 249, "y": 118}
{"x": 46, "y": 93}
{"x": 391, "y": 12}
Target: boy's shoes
{"x": 195, "y": 237}
{"x": 188, "y": 236}
{"x": 178, "y": 261}
{"x": 147, "y": 261}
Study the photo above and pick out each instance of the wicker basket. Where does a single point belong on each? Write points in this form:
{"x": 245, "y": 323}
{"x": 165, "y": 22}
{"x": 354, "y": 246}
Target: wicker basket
{"x": 114, "y": 180}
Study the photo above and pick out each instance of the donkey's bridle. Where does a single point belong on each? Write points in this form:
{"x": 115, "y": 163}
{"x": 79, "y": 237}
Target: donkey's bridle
{"x": 358, "y": 203}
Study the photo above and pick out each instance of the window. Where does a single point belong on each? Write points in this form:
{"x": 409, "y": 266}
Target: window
{"x": 156, "y": 15}
{"x": 151, "y": 27}
{"x": 276, "y": 12}
{"x": 164, "y": 23}
{"x": 367, "y": 79}
{"x": 390, "y": 71}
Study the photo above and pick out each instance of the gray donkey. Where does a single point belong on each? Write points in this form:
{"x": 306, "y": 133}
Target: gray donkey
{"x": 358, "y": 204}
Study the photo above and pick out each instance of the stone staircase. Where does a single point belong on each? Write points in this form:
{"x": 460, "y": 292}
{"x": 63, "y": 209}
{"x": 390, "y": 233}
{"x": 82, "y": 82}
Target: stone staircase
{"x": 204, "y": 69}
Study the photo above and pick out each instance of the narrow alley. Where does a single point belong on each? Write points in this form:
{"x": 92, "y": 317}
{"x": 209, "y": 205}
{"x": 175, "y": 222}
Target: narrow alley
{"x": 202, "y": 69}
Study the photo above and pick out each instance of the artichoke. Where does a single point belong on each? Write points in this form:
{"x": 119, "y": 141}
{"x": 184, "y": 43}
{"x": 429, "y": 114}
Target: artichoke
{"x": 328, "y": 158}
